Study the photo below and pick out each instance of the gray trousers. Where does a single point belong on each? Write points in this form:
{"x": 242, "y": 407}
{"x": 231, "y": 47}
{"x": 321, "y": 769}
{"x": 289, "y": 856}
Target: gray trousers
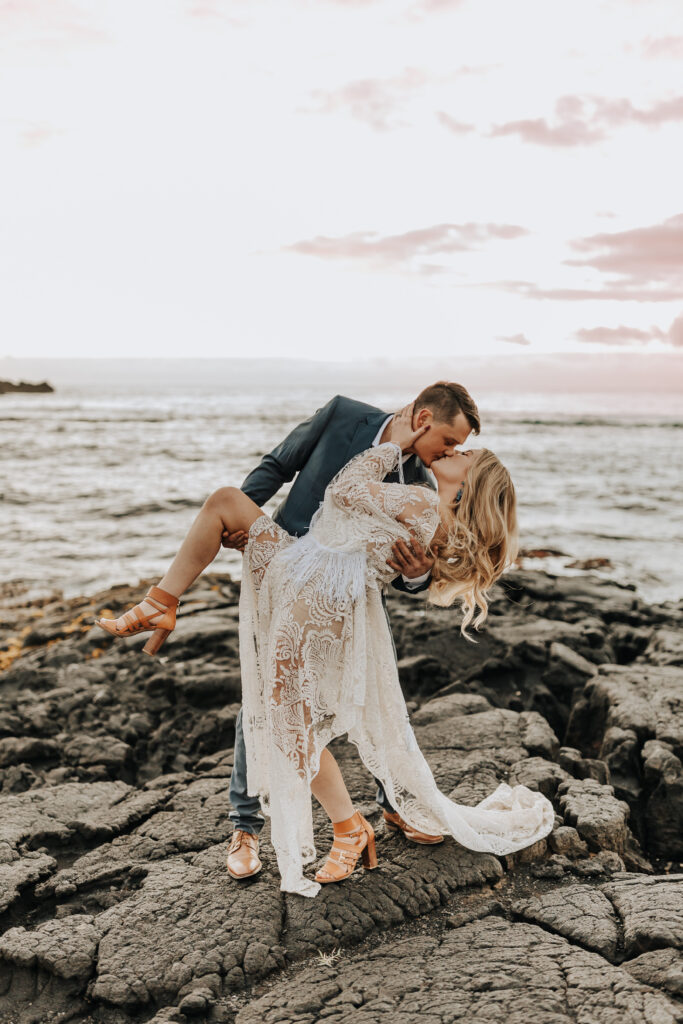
{"x": 246, "y": 810}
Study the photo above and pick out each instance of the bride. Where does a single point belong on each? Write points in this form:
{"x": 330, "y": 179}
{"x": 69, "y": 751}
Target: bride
{"x": 317, "y": 657}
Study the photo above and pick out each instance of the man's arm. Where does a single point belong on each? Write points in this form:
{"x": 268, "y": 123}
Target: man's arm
{"x": 285, "y": 461}
{"x": 415, "y": 586}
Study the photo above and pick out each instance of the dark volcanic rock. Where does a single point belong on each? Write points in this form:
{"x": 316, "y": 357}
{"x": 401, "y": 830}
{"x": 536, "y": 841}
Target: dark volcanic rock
{"x": 665, "y": 648}
{"x": 115, "y": 905}
{"x": 583, "y": 767}
{"x": 59, "y": 818}
{"x": 663, "y": 779}
{"x": 17, "y": 874}
{"x": 662, "y": 968}
{"x": 19, "y": 749}
{"x": 421, "y": 675}
{"x": 486, "y": 971}
{"x": 651, "y": 910}
{"x": 595, "y": 813}
{"x": 64, "y": 947}
{"x": 581, "y": 914}
{"x": 7, "y": 387}
{"x": 619, "y": 711}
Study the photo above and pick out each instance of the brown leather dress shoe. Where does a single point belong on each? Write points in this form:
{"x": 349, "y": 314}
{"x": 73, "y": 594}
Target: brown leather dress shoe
{"x": 243, "y": 859}
{"x": 393, "y": 822}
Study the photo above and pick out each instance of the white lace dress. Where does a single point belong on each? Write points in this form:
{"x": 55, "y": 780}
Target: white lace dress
{"x": 318, "y": 661}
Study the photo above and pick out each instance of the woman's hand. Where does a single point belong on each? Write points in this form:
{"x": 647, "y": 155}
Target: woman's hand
{"x": 401, "y": 428}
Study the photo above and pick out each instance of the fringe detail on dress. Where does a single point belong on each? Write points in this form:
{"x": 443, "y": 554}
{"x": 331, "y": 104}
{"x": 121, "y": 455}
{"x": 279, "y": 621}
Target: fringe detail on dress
{"x": 339, "y": 575}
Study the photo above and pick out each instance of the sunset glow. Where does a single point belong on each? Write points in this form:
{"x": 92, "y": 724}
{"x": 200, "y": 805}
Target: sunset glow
{"x": 341, "y": 180}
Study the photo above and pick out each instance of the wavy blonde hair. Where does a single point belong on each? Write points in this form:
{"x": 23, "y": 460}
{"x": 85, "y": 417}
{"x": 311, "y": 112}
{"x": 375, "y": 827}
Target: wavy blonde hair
{"x": 482, "y": 540}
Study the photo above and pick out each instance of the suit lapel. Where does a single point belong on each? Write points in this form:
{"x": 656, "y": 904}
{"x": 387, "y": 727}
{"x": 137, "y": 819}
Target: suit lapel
{"x": 415, "y": 471}
{"x": 365, "y": 433}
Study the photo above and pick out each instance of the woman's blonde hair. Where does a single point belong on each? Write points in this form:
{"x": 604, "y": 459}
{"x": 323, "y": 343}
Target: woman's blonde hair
{"x": 482, "y": 540}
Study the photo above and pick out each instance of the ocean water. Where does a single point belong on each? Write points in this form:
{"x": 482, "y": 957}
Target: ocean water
{"x": 102, "y": 479}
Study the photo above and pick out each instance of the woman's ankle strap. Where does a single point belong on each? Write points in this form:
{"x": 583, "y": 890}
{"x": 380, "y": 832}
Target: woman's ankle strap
{"x": 351, "y": 824}
{"x": 163, "y": 595}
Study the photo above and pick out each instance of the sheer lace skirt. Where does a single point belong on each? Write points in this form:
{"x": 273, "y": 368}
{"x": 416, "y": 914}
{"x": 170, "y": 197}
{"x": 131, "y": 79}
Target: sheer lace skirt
{"x": 318, "y": 663}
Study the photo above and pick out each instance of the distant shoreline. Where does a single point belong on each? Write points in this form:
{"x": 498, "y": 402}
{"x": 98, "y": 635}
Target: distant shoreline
{"x": 577, "y": 373}
{"x": 23, "y": 387}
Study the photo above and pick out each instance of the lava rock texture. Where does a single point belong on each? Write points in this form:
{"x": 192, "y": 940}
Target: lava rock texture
{"x": 115, "y": 903}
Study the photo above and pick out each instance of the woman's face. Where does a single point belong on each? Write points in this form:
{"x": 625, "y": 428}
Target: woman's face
{"x": 450, "y": 472}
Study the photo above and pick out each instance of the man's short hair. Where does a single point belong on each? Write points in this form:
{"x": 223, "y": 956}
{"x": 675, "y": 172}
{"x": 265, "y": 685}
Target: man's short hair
{"x": 446, "y": 400}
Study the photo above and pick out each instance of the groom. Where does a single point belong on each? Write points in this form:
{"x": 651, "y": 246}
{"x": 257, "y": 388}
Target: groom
{"x": 315, "y": 451}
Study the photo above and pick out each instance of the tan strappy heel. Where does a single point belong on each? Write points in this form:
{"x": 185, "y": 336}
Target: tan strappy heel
{"x": 353, "y": 838}
{"x": 135, "y": 621}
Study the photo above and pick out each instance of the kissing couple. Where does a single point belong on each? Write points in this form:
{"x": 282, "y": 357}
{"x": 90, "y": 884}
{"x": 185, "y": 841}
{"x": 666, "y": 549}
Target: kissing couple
{"x": 316, "y": 651}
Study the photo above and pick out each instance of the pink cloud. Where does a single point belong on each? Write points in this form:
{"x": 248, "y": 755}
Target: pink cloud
{"x": 576, "y": 124}
{"x": 379, "y": 101}
{"x": 620, "y": 292}
{"x": 437, "y": 6}
{"x": 421, "y": 7}
{"x": 457, "y": 127}
{"x": 640, "y": 265}
{"x": 614, "y": 113}
{"x": 35, "y": 134}
{"x": 397, "y": 251}
{"x": 665, "y": 46}
{"x": 514, "y": 339}
{"x": 570, "y": 128}
{"x": 375, "y": 101}
{"x": 618, "y": 335}
{"x": 214, "y": 10}
{"x": 676, "y": 332}
{"x": 640, "y": 257}
{"x": 52, "y": 24}
{"x": 633, "y": 335}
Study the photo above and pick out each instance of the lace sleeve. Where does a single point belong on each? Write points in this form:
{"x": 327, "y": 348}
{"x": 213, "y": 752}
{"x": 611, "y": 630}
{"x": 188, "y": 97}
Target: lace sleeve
{"x": 414, "y": 506}
{"x": 351, "y": 487}
{"x": 358, "y": 491}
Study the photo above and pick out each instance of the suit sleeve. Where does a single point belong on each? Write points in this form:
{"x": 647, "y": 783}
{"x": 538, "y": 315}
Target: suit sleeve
{"x": 400, "y": 584}
{"x": 284, "y": 462}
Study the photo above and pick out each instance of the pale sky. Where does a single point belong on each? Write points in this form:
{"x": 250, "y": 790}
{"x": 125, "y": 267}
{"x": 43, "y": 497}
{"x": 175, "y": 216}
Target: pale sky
{"x": 340, "y": 179}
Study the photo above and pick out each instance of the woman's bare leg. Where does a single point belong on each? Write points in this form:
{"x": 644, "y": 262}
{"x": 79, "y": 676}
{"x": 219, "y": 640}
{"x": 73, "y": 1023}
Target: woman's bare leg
{"x": 329, "y": 789}
{"x": 228, "y": 508}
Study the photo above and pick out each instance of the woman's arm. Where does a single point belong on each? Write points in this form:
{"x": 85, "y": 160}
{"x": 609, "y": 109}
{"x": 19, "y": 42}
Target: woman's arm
{"x": 357, "y": 484}
{"x": 353, "y": 483}
{"x": 358, "y": 487}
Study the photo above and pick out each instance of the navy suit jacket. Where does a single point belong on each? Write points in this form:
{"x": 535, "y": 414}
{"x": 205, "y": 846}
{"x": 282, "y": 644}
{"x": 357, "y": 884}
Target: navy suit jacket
{"x": 315, "y": 451}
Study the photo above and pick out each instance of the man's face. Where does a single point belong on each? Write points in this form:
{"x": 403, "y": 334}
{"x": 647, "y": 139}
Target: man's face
{"x": 442, "y": 438}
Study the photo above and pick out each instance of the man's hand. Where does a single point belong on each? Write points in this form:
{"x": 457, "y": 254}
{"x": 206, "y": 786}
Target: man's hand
{"x": 237, "y": 540}
{"x": 412, "y": 561}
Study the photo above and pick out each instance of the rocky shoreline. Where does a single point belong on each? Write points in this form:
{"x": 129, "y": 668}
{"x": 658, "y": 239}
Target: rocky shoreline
{"x": 24, "y": 387}
{"x": 115, "y": 905}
